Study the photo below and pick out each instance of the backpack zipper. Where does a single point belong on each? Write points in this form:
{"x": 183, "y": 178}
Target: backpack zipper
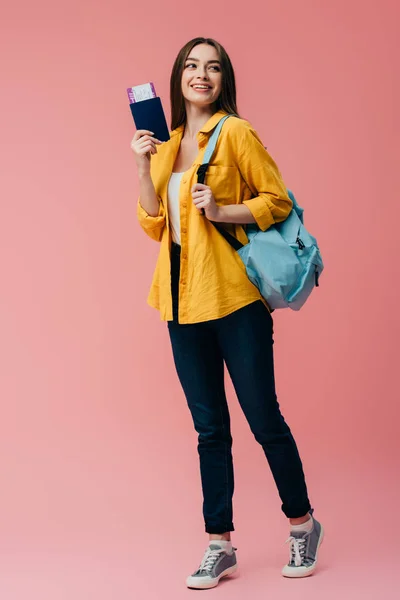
{"x": 300, "y": 243}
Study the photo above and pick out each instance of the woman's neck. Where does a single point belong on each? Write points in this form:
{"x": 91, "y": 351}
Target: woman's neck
{"x": 196, "y": 117}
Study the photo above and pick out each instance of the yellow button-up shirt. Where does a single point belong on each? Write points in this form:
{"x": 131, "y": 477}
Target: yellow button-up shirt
{"x": 213, "y": 281}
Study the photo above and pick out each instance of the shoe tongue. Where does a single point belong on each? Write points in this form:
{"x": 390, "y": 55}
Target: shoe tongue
{"x": 298, "y": 534}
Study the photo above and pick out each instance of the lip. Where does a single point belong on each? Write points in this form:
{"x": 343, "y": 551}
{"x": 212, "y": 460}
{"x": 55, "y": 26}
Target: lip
{"x": 201, "y": 90}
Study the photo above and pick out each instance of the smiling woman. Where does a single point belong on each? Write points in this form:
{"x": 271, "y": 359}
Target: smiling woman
{"x": 200, "y": 63}
{"x": 215, "y": 314}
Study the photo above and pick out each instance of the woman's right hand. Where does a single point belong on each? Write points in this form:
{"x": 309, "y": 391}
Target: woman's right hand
{"x": 143, "y": 146}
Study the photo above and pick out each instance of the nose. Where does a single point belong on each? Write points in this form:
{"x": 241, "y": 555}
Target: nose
{"x": 204, "y": 75}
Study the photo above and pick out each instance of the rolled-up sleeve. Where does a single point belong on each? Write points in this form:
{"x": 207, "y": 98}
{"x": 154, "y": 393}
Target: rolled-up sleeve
{"x": 153, "y": 226}
{"x": 271, "y": 203}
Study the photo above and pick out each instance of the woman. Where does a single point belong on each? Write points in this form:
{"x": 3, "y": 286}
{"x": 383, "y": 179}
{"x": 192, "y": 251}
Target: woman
{"x": 214, "y": 313}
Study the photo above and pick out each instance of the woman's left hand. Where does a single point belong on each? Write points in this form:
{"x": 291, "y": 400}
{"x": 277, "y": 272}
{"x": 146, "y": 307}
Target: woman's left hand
{"x": 203, "y": 198}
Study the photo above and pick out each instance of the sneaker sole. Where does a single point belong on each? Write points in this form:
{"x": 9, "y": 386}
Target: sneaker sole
{"x": 214, "y": 582}
{"x": 311, "y": 570}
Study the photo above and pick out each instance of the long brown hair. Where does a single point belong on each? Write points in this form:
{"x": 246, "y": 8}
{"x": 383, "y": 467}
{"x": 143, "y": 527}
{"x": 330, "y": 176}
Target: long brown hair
{"x": 227, "y": 98}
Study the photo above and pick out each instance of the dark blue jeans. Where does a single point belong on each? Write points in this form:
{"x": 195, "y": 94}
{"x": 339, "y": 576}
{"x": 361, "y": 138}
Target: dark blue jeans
{"x": 244, "y": 341}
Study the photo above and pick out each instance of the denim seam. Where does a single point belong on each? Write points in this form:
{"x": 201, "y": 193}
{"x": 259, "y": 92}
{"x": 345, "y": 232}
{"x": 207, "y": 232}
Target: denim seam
{"x": 226, "y": 467}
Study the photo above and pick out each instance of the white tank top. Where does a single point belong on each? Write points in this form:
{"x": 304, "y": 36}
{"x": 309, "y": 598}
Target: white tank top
{"x": 174, "y": 207}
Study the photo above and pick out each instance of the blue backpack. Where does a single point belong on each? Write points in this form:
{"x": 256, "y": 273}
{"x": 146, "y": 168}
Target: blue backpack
{"x": 284, "y": 262}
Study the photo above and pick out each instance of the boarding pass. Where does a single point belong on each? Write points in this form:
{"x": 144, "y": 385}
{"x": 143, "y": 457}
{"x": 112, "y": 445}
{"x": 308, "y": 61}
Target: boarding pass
{"x": 141, "y": 92}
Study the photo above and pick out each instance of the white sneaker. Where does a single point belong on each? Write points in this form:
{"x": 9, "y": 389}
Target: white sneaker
{"x": 216, "y": 563}
{"x": 303, "y": 548}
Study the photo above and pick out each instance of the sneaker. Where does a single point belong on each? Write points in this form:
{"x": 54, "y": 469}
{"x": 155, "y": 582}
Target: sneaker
{"x": 216, "y": 563}
{"x": 303, "y": 550}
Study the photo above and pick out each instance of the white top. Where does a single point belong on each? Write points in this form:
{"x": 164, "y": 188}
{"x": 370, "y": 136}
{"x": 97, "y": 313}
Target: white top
{"x": 174, "y": 207}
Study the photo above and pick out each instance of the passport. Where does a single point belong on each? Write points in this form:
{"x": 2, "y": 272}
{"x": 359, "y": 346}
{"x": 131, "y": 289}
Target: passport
{"x": 148, "y": 112}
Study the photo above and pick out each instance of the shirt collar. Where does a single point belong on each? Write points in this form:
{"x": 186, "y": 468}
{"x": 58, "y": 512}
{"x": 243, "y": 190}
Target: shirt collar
{"x": 208, "y": 126}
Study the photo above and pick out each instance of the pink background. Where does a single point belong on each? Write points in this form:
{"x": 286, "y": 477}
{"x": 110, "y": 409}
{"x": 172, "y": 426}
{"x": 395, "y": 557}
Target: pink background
{"x": 100, "y": 490}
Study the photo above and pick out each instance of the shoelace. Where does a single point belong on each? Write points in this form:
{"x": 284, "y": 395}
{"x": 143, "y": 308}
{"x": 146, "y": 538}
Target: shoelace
{"x": 209, "y": 559}
{"x": 297, "y": 549}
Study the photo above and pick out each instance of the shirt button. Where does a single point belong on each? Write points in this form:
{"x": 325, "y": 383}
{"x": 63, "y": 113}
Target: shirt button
{"x": 183, "y": 282}
{"x": 183, "y": 229}
{"x": 184, "y": 256}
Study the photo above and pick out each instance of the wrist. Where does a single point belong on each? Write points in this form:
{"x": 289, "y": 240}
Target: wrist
{"x": 144, "y": 175}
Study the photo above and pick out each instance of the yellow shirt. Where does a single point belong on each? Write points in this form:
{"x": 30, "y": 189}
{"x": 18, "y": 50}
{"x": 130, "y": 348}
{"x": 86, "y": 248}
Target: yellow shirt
{"x": 213, "y": 280}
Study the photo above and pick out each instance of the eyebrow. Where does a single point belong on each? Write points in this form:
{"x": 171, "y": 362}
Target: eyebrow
{"x": 208, "y": 62}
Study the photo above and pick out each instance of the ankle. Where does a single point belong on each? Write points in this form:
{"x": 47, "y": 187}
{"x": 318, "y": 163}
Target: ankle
{"x": 220, "y": 536}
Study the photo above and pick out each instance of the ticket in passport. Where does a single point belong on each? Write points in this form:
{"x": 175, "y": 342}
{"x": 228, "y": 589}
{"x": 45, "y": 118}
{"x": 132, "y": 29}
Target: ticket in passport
{"x": 141, "y": 92}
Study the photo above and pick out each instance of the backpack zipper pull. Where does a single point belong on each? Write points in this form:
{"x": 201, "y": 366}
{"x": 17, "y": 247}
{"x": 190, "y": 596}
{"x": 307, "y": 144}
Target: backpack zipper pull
{"x": 316, "y": 277}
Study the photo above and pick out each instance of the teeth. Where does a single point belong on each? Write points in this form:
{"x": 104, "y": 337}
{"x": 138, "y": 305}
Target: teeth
{"x": 202, "y": 87}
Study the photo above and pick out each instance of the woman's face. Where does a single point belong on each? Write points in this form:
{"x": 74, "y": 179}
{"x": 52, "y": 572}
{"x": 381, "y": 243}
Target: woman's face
{"x": 202, "y": 76}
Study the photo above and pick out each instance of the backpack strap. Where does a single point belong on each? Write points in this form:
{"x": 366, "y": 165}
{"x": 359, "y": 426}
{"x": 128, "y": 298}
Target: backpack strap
{"x": 201, "y": 175}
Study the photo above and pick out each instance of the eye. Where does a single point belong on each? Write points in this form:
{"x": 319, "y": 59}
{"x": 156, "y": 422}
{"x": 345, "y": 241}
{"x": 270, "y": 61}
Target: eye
{"x": 216, "y": 67}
